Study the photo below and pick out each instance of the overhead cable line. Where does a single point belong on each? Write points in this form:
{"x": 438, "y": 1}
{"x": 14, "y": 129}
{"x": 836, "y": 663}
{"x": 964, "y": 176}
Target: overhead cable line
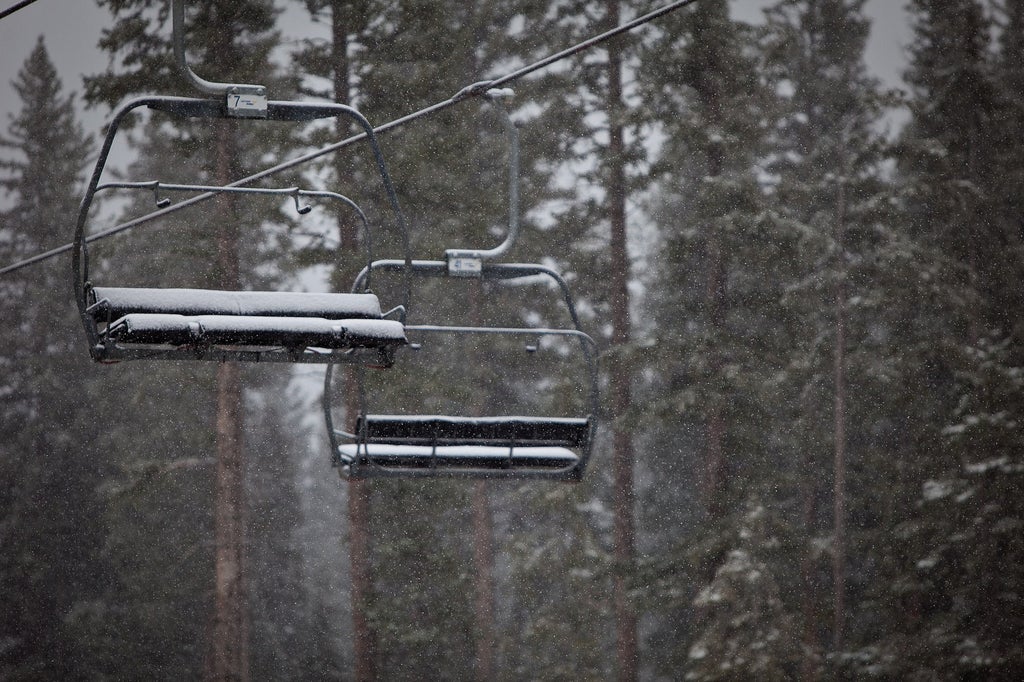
{"x": 473, "y": 90}
{"x": 14, "y": 8}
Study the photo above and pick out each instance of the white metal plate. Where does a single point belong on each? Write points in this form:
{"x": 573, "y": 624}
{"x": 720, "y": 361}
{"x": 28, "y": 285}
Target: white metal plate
{"x": 246, "y": 105}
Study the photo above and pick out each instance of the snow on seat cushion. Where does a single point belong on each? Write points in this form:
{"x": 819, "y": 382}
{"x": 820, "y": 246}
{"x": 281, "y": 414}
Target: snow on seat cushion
{"x": 498, "y": 431}
{"x": 121, "y": 301}
{"x": 459, "y": 456}
{"x": 229, "y": 330}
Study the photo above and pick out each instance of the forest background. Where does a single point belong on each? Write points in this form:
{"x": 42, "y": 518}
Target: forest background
{"x": 810, "y": 458}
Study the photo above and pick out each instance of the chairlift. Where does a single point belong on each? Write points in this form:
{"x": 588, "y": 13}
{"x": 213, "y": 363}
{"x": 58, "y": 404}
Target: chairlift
{"x": 471, "y": 446}
{"x": 129, "y": 323}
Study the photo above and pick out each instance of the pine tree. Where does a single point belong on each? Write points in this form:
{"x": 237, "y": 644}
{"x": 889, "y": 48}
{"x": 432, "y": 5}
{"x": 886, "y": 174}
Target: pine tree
{"x": 830, "y": 181}
{"x": 955, "y": 169}
{"x": 603, "y": 129}
{"x": 722, "y": 331}
{"x": 948, "y": 151}
{"x": 333, "y": 60}
{"x": 1007, "y": 129}
{"x": 746, "y": 632}
{"x": 51, "y": 528}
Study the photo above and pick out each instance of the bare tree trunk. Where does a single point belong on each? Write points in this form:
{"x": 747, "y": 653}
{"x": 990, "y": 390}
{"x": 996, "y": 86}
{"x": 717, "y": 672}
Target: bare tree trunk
{"x": 230, "y": 657}
{"x": 364, "y": 636}
{"x": 627, "y": 655}
{"x": 483, "y": 538}
{"x": 714, "y": 462}
{"x": 483, "y": 563}
{"x": 809, "y": 636}
{"x": 839, "y": 512}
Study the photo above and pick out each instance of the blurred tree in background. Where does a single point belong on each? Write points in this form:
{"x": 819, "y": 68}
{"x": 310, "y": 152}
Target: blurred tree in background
{"x": 809, "y": 464}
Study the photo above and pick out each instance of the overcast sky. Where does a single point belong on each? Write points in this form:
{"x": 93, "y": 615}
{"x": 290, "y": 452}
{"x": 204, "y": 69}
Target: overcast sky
{"x": 72, "y": 29}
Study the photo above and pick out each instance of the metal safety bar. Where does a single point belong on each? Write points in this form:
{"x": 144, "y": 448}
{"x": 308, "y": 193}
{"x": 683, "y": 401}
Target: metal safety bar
{"x": 295, "y": 193}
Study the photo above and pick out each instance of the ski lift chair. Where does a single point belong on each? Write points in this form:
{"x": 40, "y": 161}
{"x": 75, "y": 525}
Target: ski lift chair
{"x": 127, "y": 323}
{"x": 212, "y": 324}
{"x": 465, "y": 446}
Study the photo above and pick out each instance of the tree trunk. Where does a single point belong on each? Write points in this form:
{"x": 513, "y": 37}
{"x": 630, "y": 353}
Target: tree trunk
{"x": 230, "y": 658}
{"x": 811, "y": 496}
{"x": 621, "y": 380}
{"x": 364, "y": 636}
{"x": 839, "y": 512}
{"x": 714, "y": 462}
{"x": 483, "y": 564}
{"x": 483, "y": 538}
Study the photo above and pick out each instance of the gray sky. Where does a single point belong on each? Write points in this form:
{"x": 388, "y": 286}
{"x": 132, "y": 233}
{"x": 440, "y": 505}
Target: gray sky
{"x": 72, "y": 28}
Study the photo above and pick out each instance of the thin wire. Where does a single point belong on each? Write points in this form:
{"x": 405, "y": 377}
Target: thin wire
{"x": 15, "y": 7}
{"x": 469, "y": 91}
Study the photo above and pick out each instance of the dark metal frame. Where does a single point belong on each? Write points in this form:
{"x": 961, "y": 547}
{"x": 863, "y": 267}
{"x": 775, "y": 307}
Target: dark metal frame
{"x": 490, "y": 271}
{"x": 103, "y": 349}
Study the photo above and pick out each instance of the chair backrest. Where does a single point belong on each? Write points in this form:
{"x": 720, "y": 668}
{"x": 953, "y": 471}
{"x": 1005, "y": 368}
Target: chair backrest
{"x": 117, "y": 302}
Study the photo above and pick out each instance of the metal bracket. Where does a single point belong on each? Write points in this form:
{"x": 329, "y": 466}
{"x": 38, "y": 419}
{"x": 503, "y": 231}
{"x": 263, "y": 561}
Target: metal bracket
{"x": 466, "y": 262}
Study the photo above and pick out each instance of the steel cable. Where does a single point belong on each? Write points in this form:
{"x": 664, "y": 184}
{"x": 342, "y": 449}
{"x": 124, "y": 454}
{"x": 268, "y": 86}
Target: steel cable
{"x": 473, "y": 90}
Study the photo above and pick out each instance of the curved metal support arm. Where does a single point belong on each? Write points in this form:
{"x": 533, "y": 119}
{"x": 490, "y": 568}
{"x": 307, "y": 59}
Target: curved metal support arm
{"x": 498, "y": 97}
{"x": 201, "y": 84}
{"x": 79, "y": 249}
{"x": 327, "y": 401}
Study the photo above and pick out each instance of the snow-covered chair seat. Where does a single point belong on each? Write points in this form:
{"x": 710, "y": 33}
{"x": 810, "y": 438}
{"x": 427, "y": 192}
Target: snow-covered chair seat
{"x": 205, "y": 318}
{"x": 226, "y": 330}
{"x": 116, "y": 302}
{"x": 466, "y": 444}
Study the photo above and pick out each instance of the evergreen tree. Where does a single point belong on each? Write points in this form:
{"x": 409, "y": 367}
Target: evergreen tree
{"x": 722, "y": 332}
{"x": 829, "y": 168}
{"x": 932, "y": 584}
{"x": 1006, "y": 135}
{"x": 955, "y": 170}
{"x": 947, "y": 155}
{"x": 51, "y": 527}
{"x": 746, "y": 632}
